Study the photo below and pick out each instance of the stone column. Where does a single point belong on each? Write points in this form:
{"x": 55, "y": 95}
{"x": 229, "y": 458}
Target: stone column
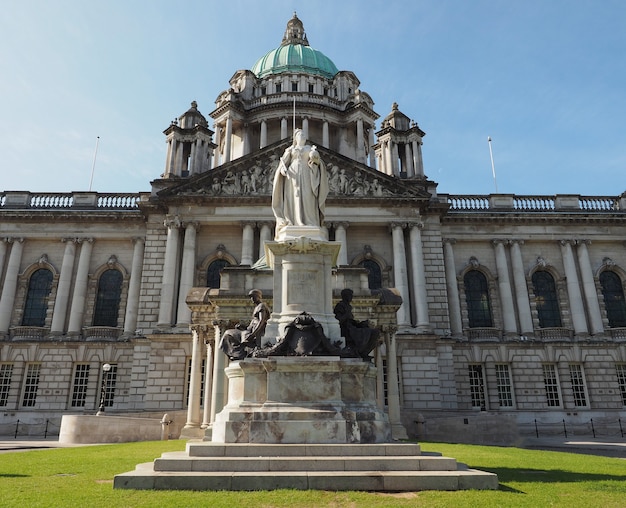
{"x": 247, "y": 243}
{"x": 360, "y": 141}
{"x": 192, "y": 427}
{"x": 264, "y": 236}
{"x": 246, "y": 139}
{"x": 229, "y": 139}
{"x": 400, "y": 273}
{"x": 208, "y": 382}
{"x": 284, "y": 132}
{"x": 169, "y": 157}
{"x": 341, "y": 237}
{"x": 521, "y": 289}
{"x": 372, "y": 161}
{"x": 504, "y": 284}
{"x": 393, "y": 394}
{"x": 263, "y": 142}
{"x": 219, "y": 386}
{"x": 325, "y": 135}
{"x": 191, "y": 163}
{"x": 63, "y": 289}
{"x": 419, "y": 164}
{"x": 170, "y": 269}
{"x": 408, "y": 155}
{"x": 389, "y": 165}
{"x": 3, "y": 253}
{"x": 187, "y": 273}
{"x": 395, "y": 170}
{"x": 10, "y": 284}
{"x": 454, "y": 304}
{"x": 577, "y": 310}
{"x": 134, "y": 287}
{"x": 418, "y": 275}
{"x": 77, "y": 311}
{"x": 589, "y": 288}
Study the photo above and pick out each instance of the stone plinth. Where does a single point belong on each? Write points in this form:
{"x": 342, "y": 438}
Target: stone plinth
{"x": 301, "y": 400}
{"x": 302, "y": 283}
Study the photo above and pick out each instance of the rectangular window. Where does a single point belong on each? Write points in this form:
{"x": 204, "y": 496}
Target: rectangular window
{"x": 294, "y": 87}
{"x": 6, "y": 371}
{"x": 108, "y": 381}
{"x": 578, "y": 385}
{"x": 551, "y": 384}
{"x": 263, "y": 90}
{"x": 621, "y": 380}
{"x": 505, "y": 388}
{"x": 311, "y": 88}
{"x": 201, "y": 381}
{"x": 477, "y": 387}
{"x": 31, "y": 384}
{"x": 79, "y": 390}
{"x": 279, "y": 87}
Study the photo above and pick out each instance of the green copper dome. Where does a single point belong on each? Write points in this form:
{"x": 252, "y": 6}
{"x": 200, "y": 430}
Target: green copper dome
{"x": 295, "y": 55}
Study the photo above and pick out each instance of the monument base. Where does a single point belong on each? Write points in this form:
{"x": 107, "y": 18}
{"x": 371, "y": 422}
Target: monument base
{"x": 319, "y": 400}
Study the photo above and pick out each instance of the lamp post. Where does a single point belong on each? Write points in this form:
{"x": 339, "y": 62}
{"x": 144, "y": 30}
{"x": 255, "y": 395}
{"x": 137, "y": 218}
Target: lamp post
{"x": 103, "y": 389}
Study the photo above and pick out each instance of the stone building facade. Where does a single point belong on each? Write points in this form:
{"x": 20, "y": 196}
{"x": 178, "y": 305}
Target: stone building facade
{"x": 513, "y": 306}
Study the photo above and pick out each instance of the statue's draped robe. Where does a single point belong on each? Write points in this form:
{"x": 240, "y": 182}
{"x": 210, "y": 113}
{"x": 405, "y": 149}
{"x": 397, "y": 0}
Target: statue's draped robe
{"x": 300, "y": 190}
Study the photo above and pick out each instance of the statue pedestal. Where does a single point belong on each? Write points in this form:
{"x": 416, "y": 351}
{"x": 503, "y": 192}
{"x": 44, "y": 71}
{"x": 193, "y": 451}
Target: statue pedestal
{"x": 302, "y": 283}
{"x": 301, "y": 400}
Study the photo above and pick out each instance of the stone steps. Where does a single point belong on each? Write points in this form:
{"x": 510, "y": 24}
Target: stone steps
{"x": 370, "y": 467}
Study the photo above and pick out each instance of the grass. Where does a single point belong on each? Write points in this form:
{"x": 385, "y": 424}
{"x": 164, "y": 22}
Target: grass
{"x": 83, "y": 477}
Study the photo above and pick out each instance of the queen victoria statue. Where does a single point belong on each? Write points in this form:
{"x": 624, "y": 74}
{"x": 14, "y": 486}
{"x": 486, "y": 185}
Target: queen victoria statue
{"x": 300, "y": 186}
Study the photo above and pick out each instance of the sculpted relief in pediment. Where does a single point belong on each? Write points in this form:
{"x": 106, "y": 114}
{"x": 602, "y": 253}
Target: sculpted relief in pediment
{"x": 256, "y": 179}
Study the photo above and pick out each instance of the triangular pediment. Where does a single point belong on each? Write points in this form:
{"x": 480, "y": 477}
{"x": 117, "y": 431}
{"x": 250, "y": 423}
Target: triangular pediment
{"x": 251, "y": 177}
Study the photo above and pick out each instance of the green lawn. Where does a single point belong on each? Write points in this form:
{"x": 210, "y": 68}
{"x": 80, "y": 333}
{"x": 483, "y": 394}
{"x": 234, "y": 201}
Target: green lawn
{"x": 83, "y": 477}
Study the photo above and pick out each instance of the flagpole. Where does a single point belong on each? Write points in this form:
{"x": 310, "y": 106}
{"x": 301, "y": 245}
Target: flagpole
{"x": 93, "y": 167}
{"x": 493, "y": 168}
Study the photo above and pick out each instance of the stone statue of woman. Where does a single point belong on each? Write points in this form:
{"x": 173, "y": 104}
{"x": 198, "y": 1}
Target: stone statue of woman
{"x": 300, "y": 186}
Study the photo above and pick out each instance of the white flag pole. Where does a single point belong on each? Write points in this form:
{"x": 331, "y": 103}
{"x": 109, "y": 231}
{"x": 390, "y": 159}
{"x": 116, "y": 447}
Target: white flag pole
{"x": 493, "y": 168}
{"x": 93, "y": 166}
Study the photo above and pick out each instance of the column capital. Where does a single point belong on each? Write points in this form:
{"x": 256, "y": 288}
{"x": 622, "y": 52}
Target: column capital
{"x": 397, "y": 224}
{"x": 245, "y": 223}
{"x": 416, "y": 224}
{"x": 138, "y": 239}
{"x": 172, "y": 222}
{"x": 517, "y": 241}
{"x": 267, "y": 223}
{"x": 451, "y": 241}
{"x": 70, "y": 240}
{"x": 499, "y": 241}
{"x": 15, "y": 239}
{"x": 85, "y": 240}
{"x": 193, "y": 223}
{"x": 202, "y": 331}
{"x": 565, "y": 242}
{"x": 584, "y": 241}
{"x": 343, "y": 224}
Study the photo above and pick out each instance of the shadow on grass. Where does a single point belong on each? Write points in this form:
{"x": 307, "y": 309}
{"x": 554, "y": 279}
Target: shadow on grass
{"x": 506, "y": 474}
{"x": 10, "y": 475}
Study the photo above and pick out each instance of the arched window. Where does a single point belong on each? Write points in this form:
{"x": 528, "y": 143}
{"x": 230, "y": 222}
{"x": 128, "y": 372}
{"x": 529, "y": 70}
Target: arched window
{"x": 614, "y": 303}
{"x": 213, "y": 273}
{"x": 108, "y": 298}
{"x": 477, "y": 298}
{"x": 374, "y": 274}
{"x": 547, "y": 300}
{"x": 36, "y": 305}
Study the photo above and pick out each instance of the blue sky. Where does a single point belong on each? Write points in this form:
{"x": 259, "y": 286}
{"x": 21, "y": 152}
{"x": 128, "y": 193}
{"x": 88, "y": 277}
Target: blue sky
{"x": 546, "y": 79}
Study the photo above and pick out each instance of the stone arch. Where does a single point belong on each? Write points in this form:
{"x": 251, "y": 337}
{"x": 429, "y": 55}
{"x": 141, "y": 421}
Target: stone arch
{"x": 219, "y": 256}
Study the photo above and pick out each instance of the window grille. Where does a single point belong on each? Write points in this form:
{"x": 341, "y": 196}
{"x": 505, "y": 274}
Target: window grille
{"x": 79, "y": 390}
{"x": 36, "y": 305}
{"x": 477, "y": 298}
{"x": 31, "y": 384}
{"x": 374, "y": 273}
{"x": 213, "y": 273}
{"x": 546, "y": 300}
{"x": 477, "y": 387}
{"x": 109, "y": 379}
{"x": 551, "y": 384}
{"x": 621, "y": 380}
{"x": 6, "y": 372}
{"x": 505, "y": 388}
{"x": 108, "y": 298}
{"x": 578, "y": 385}
{"x": 614, "y": 303}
